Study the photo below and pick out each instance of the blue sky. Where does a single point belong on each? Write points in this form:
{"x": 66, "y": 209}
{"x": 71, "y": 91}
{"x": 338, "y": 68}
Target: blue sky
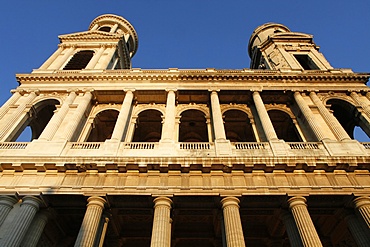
{"x": 183, "y": 34}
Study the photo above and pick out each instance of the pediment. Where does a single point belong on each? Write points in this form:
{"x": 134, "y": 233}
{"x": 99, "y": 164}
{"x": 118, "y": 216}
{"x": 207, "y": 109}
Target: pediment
{"x": 89, "y": 35}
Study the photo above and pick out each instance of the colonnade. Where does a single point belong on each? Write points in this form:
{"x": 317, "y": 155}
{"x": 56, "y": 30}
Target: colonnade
{"x": 28, "y": 224}
{"x": 81, "y": 101}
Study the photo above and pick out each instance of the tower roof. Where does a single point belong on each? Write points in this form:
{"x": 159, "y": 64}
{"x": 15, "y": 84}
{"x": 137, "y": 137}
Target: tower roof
{"x": 263, "y": 32}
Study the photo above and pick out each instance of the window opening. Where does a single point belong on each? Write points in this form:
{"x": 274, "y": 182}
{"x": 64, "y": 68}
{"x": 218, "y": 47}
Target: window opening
{"x": 79, "y": 60}
{"x": 284, "y": 126}
{"x": 306, "y": 62}
{"x": 104, "y": 123}
{"x": 105, "y": 29}
{"x": 238, "y": 127}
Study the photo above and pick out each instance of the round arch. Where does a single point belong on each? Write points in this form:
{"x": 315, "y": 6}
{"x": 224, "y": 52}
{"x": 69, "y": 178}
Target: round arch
{"x": 148, "y": 126}
{"x": 238, "y": 126}
{"x": 348, "y": 115}
{"x": 284, "y": 126}
{"x": 193, "y": 126}
{"x": 104, "y": 122}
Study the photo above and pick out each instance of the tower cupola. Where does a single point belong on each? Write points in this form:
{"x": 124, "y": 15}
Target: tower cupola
{"x": 273, "y": 46}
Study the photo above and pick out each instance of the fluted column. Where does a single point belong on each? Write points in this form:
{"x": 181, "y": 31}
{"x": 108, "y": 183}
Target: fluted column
{"x": 51, "y": 59}
{"x": 232, "y": 221}
{"x": 5, "y": 108}
{"x": 36, "y": 228}
{"x": 364, "y": 103}
{"x": 6, "y": 204}
{"x": 267, "y": 126}
{"x": 8, "y": 123}
{"x": 168, "y": 127}
{"x": 55, "y": 122}
{"x": 123, "y": 116}
{"x": 305, "y": 226}
{"x": 95, "y": 58}
{"x": 161, "y": 233}
{"x": 332, "y": 121}
{"x": 362, "y": 204}
{"x": 59, "y": 61}
{"x": 218, "y": 124}
{"x": 76, "y": 118}
{"x": 360, "y": 236}
{"x": 310, "y": 118}
{"x": 291, "y": 229}
{"x": 22, "y": 220}
{"x": 90, "y": 223}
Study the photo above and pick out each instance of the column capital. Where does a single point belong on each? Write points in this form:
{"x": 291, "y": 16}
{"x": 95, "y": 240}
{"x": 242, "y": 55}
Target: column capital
{"x": 32, "y": 201}
{"x": 171, "y": 90}
{"x": 126, "y": 90}
{"x": 162, "y": 201}
{"x": 230, "y": 201}
{"x": 214, "y": 90}
{"x": 297, "y": 201}
{"x": 96, "y": 200}
{"x": 361, "y": 201}
{"x": 8, "y": 201}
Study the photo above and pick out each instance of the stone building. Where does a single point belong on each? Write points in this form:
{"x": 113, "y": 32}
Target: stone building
{"x": 203, "y": 157}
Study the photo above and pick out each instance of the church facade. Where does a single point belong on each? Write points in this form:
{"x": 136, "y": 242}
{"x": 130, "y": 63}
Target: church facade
{"x": 120, "y": 156}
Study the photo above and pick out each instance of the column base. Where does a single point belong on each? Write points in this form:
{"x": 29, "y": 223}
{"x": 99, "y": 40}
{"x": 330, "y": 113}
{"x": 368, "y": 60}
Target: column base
{"x": 279, "y": 147}
{"x": 223, "y": 147}
{"x": 111, "y": 147}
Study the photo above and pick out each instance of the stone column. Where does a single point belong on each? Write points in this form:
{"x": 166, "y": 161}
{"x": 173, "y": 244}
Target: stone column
{"x": 90, "y": 223}
{"x": 332, "y": 121}
{"x": 51, "y": 59}
{"x": 291, "y": 229}
{"x": 76, "y": 118}
{"x": 123, "y": 116}
{"x": 6, "y": 204}
{"x": 305, "y": 226}
{"x": 54, "y": 123}
{"x": 362, "y": 204}
{"x": 95, "y": 58}
{"x": 309, "y": 116}
{"x": 35, "y": 230}
{"x": 161, "y": 233}
{"x": 168, "y": 127}
{"x": 267, "y": 126}
{"x": 218, "y": 125}
{"x": 22, "y": 220}
{"x": 232, "y": 221}
{"x": 5, "y": 108}
{"x": 58, "y": 62}
{"x": 360, "y": 236}
{"x": 9, "y": 122}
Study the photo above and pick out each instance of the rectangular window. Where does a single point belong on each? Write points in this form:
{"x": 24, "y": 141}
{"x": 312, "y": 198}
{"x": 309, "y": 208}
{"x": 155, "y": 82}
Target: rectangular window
{"x": 305, "y": 61}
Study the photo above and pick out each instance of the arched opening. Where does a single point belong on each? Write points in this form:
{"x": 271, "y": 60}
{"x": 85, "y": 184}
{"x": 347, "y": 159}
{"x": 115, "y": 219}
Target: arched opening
{"x": 104, "y": 123}
{"x": 284, "y": 126}
{"x": 79, "y": 60}
{"x": 38, "y": 117}
{"x": 148, "y": 126}
{"x": 238, "y": 127}
{"x": 105, "y": 29}
{"x": 349, "y": 117}
{"x": 193, "y": 127}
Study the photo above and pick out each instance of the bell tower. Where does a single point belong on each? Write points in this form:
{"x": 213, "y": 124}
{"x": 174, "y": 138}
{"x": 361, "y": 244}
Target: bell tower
{"x": 110, "y": 43}
{"x": 273, "y": 46}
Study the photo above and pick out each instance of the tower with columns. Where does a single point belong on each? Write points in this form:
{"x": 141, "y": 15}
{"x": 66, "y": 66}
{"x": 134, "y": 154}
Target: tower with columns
{"x": 121, "y": 156}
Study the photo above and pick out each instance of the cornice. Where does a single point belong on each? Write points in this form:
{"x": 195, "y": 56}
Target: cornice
{"x": 89, "y": 36}
{"x": 194, "y": 75}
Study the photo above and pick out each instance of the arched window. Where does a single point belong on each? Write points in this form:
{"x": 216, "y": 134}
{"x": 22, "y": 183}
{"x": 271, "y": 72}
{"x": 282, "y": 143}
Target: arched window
{"x": 79, "y": 60}
{"x": 38, "y": 117}
{"x": 238, "y": 127}
{"x": 104, "y": 123}
{"x": 193, "y": 127}
{"x": 284, "y": 126}
{"x": 349, "y": 117}
{"x": 148, "y": 126}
